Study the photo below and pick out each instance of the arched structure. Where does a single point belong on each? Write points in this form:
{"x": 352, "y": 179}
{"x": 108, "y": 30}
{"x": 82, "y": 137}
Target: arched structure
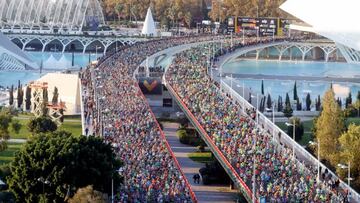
{"x": 71, "y": 42}
{"x": 50, "y": 14}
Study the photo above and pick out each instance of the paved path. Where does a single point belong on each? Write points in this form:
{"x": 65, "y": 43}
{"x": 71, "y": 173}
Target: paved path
{"x": 204, "y": 193}
{"x": 17, "y": 140}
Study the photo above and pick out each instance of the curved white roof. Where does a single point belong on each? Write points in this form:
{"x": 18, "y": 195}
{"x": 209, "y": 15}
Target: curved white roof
{"x": 59, "y": 13}
{"x": 334, "y": 19}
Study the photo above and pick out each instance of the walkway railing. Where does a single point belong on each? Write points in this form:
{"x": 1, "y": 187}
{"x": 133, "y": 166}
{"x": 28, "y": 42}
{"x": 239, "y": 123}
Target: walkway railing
{"x": 272, "y": 128}
{"x": 215, "y": 150}
{"x": 192, "y": 194}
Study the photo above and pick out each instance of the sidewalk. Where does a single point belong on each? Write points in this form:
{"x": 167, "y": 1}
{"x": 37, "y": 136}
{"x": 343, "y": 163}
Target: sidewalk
{"x": 204, "y": 193}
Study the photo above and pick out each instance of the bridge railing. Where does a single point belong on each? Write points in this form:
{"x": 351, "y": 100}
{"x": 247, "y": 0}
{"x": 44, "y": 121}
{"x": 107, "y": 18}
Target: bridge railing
{"x": 215, "y": 150}
{"x": 284, "y": 138}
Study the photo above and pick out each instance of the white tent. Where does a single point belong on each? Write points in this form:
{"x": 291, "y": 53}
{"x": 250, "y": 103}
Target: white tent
{"x": 149, "y": 25}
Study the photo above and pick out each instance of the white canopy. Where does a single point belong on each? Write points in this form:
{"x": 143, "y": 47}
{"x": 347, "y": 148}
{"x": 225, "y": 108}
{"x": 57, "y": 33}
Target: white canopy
{"x": 149, "y": 25}
{"x": 334, "y": 19}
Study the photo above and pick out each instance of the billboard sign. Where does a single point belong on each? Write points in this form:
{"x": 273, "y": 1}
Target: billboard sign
{"x": 151, "y": 86}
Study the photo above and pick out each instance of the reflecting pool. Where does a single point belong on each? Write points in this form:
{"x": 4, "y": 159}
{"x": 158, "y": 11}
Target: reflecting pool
{"x": 318, "y": 69}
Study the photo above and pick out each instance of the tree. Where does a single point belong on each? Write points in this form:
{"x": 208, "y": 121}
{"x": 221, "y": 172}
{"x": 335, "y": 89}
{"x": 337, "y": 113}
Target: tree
{"x": 288, "y": 111}
{"x": 332, "y": 124}
{"x": 308, "y": 102}
{"x": 11, "y": 95}
{"x": 55, "y": 96}
{"x": 16, "y": 126}
{"x": 295, "y": 92}
{"x": 45, "y": 101}
{"x": 28, "y": 98}
{"x": 298, "y": 105}
{"x": 350, "y": 145}
{"x": 299, "y": 128}
{"x": 357, "y": 103}
{"x": 269, "y": 102}
{"x": 88, "y": 194}
{"x": 280, "y": 104}
{"x": 41, "y": 125}
{"x": 318, "y": 103}
{"x": 5, "y": 120}
{"x": 348, "y": 100}
{"x": 20, "y": 95}
{"x": 262, "y": 87}
{"x": 68, "y": 162}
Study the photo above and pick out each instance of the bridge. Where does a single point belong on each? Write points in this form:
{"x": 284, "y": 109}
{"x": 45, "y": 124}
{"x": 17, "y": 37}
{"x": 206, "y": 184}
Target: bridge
{"x": 299, "y": 50}
{"x": 302, "y": 156}
{"x": 62, "y": 43}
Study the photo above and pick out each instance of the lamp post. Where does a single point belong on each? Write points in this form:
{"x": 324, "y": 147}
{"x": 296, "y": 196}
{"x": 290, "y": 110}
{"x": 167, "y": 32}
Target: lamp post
{"x": 44, "y": 182}
{"x": 243, "y": 91}
{"x": 273, "y": 117}
{"x": 257, "y": 107}
{"x": 318, "y": 157}
{"x": 343, "y": 166}
{"x": 294, "y": 126}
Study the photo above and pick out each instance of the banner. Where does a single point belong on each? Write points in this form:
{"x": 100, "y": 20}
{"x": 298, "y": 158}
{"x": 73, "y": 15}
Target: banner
{"x": 267, "y": 26}
{"x": 231, "y": 25}
{"x": 150, "y": 86}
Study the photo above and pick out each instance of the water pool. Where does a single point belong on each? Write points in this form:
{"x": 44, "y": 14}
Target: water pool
{"x": 318, "y": 69}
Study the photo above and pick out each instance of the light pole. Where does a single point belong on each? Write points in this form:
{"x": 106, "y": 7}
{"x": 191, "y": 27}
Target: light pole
{"x": 318, "y": 157}
{"x": 44, "y": 182}
{"x": 343, "y": 166}
{"x": 273, "y": 117}
{"x": 243, "y": 36}
{"x": 294, "y": 126}
{"x": 257, "y": 107}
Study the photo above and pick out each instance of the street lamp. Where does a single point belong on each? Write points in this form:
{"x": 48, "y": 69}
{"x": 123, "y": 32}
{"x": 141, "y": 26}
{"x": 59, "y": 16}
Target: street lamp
{"x": 343, "y": 166}
{"x": 318, "y": 156}
{"x": 257, "y": 107}
{"x": 273, "y": 117}
{"x": 44, "y": 182}
{"x": 294, "y": 126}
{"x": 96, "y": 48}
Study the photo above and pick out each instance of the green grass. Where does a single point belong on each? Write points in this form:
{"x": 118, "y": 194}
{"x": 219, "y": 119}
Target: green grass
{"x": 72, "y": 125}
{"x": 202, "y": 157}
{"x": 8, "y": 155}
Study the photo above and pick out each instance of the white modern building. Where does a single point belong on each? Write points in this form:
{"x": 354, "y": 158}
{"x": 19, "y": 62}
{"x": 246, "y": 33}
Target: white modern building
{"x": 49, "y": 14}
{"x": 335, "y": 20}
{"x": 12, "y": 57}
{"x": 69, "y": 90}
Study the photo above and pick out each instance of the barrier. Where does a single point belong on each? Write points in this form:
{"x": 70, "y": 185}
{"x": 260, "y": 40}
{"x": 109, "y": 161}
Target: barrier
{"x": 299, "y": 150}
{"x": 192, "y": 194}
{"x": 218, "y": 154}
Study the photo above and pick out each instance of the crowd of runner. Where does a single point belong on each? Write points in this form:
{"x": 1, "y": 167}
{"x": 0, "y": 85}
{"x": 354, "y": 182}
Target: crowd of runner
{"x": 278, "y": 176}
{"x": 115, "y": 108}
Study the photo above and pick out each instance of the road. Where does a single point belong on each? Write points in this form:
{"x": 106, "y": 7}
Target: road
{"x": 204, "y": 193}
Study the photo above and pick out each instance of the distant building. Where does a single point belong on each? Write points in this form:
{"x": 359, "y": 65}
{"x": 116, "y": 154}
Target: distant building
{"x": 69, "y": 90}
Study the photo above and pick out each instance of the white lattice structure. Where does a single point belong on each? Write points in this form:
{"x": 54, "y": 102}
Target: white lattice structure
{"x": 37, "y": 97}
{"x": 55, "y": 112}
{"x": 66, "y": 40}
{"x": 61, "y": 14}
